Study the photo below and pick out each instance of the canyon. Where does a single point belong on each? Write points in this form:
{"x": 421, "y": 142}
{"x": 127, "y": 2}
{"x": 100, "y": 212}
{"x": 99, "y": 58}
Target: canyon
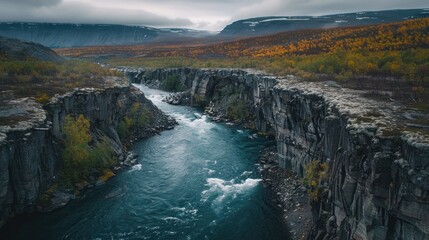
{"x": 377, "y": 150}
{"x": 31, "y": 139}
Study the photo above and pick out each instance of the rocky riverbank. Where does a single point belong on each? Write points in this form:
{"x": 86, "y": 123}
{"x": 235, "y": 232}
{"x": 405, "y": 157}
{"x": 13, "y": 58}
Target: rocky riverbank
{"x": 290, "y": 194}
{"x": 376, "y": 153}
{"x": 31, "y": 141}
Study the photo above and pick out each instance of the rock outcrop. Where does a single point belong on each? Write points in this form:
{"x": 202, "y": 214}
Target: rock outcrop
{"x": 31, "y": 138}
{"x": 378, "y": 155}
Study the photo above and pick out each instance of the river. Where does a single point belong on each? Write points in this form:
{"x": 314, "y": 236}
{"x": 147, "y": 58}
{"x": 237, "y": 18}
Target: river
{"x": 198, "y": 181}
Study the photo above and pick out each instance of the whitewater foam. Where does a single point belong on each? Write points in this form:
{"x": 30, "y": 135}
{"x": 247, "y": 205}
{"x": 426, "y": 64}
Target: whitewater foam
{"x": 221, "y": 190}
{"x": 136, "y": 167}
{"x": 200, "y": 123}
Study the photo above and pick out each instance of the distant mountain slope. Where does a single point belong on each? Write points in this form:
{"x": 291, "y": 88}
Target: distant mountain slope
{"x": 13, "y": 49}
{"x": 409, "y": 34}
{"x": 69, "y": 35}
{"x": 269, "y": 25}
{"x": 75, "y": 35}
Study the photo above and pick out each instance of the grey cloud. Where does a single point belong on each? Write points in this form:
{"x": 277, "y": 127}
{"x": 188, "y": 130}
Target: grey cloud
{"x": 181, "y": 13}
{"x": 70, "y": 12}
{"x": 31, "y": 3}
{"x": 202, "y": 1}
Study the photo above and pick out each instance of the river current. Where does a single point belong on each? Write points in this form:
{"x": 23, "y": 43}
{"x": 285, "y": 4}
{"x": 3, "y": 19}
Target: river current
{"x": 198, "y": 181}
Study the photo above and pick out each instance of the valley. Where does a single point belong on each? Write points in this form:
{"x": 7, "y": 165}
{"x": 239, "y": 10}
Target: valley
{"x": 275, "y": 127}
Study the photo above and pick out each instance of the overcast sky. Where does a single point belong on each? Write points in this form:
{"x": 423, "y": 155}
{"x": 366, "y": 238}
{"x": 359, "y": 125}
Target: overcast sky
{"x": 198, "y": 14}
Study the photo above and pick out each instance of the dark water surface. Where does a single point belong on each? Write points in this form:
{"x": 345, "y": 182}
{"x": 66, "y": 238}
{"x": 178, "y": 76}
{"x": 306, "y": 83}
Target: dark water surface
{"x": 198, "y": 181}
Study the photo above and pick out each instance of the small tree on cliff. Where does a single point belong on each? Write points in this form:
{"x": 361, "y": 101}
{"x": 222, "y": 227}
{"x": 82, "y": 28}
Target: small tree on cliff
{"x": 315, "y": 173}
{"x": 76, "y": 141}
{"x": 76, "y": 148}
{"x": 80, "y": 159}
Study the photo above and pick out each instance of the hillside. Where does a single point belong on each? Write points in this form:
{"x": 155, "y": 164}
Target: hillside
{"x": 74, "y": 35}
{"x": 58, "y": 35}
{"x": 393, "y": 36}
{"x": 32, "y": 70}
{"x": 18, "y": 50}
{"x": 275, "y": 24}
{"x": 392, "y": 57}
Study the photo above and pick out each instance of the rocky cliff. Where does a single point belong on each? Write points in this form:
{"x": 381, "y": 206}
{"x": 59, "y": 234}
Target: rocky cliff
{"x": 377, "y": 151}
{"x": 31, "y": 138}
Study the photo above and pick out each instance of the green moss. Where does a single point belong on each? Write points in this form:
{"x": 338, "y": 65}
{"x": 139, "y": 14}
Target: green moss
{"x": 138, "y": 117}
{"x": 172, "y": 84}
{"x": 237, "y": 109}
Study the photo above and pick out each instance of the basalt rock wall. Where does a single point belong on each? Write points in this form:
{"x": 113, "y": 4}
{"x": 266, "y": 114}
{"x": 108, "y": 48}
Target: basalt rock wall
{"x": 379, "y": 168}
{"x": 31, "y": 145}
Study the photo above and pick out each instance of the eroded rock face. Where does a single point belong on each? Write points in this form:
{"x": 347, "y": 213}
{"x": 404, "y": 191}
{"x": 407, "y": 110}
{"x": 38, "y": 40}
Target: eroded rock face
{"x": 30, "y": 141}
{"x": 379, "y": 167}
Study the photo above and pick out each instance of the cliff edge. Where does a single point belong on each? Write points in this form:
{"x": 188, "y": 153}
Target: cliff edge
{"x": 377, "y": 150}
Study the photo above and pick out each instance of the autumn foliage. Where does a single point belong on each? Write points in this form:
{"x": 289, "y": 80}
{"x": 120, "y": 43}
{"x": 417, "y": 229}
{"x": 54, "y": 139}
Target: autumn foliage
{"x": 82, "y": 156}
{"x": 384, "y": 37}
{"x": 316, "y": 173}
{"x": 392, "y": 57}
{"x": 43, "y": 79}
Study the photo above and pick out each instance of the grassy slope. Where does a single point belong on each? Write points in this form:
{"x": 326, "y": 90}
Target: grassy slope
{"x": 393, "y": 36}
{"x": 29, "y": 69}
{"x": 392, "y": 57}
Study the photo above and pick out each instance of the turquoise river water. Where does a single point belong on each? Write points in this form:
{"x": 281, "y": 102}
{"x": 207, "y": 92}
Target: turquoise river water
{"x": 198, "y": 181}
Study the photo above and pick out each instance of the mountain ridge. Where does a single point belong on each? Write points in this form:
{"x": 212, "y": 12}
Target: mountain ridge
{"x": 267, "y": 25}
{"x": 56, "y": 35}
{"x": 66, "y": 35}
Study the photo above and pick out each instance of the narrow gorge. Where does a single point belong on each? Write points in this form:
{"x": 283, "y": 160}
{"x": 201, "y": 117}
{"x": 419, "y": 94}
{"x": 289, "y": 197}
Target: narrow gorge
{"x": 31, "y": 143}
{"x": 182, "y": 186}
{"x": 376, "y": 150}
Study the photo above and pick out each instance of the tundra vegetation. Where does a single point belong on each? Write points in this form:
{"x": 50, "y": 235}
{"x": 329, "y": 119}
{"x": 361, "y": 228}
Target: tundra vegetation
{"x": 43, "y": 79}
{"x": 386, "y": 57}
